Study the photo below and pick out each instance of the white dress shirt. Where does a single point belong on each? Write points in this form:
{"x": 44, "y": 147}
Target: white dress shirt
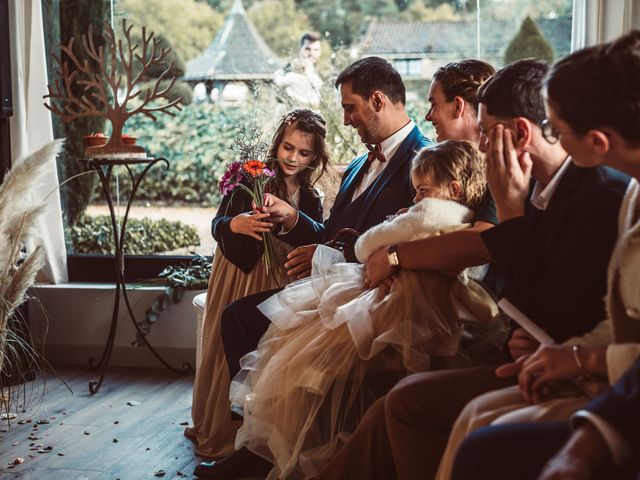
{"x": 540, "y": 197}
{"x": 388, "y": 148}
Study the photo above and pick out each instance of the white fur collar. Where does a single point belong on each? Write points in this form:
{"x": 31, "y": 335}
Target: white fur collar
{"x": 428, "y": 217}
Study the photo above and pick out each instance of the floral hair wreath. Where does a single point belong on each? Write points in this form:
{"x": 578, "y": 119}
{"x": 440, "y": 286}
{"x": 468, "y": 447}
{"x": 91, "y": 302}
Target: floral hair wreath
{"x": 290, "y": 118}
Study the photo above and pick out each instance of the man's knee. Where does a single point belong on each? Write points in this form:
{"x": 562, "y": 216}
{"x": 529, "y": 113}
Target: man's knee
{"x": 412, "y": 396}
{"x": 228, "y": 323}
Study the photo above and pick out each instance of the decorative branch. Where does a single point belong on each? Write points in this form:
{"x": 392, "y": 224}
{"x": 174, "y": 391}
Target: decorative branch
{"x": 92, "y": 85}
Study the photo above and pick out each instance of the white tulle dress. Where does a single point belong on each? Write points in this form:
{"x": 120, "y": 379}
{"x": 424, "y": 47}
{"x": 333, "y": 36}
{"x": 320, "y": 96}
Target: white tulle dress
{"x": 331, "y": 339}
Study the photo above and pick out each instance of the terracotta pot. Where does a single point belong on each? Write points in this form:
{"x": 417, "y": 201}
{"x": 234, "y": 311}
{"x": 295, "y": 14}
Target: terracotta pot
{"x": 94, "y": 141}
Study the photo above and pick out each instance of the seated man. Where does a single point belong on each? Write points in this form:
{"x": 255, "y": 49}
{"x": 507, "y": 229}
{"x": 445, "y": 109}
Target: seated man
{"x": 602, "y": 132}
{"x": 552, "y": 250}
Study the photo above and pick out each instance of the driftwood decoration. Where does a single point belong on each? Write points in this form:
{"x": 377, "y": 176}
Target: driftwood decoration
{"x": 107, "y": 91}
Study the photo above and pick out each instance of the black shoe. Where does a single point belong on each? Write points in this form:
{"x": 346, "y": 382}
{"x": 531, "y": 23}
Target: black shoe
{"x": 241, "y": 463}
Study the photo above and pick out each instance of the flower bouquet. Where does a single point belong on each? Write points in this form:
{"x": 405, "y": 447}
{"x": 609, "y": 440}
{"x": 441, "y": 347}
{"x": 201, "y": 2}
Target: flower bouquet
{"x": 251, "y": 173}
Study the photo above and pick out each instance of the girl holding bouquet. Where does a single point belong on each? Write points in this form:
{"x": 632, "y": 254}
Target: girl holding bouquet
{"x": 334, "y": 341}
{"x": 238, "y": 270}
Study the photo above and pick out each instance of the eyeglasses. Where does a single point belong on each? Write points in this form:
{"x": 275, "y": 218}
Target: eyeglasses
{"x": 550, "y": 133}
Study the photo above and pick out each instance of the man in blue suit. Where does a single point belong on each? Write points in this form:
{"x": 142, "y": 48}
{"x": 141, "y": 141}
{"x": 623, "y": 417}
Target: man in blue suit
{"x": 374, "y": 185}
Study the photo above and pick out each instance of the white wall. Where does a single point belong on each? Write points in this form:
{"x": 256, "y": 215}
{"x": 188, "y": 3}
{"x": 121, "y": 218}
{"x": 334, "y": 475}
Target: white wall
{"x": 72, "y": 322}
{"x": 597, "y": 21}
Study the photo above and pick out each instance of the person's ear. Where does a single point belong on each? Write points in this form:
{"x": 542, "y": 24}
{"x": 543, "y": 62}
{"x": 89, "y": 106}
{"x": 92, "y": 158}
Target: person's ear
{"x": 377, "y": 100}
{"x": 523, "y": 131}
{"x": 599, "y": 141}
{"x": 455, "y": 189}
{"x": 460, "y": 106}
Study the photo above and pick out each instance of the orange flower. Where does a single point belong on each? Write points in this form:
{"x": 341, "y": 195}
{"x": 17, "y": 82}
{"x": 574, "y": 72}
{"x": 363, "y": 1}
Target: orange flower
{"x": 254, "y": 167}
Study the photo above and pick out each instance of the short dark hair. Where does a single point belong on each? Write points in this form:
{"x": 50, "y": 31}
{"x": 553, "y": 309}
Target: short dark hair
{"x": 600, "y": 86}
{"x": 463, "y": 79}
{"x": 309, "y": 37}
{"x": 515, "y": 91}
{"x": 374, "y": 73}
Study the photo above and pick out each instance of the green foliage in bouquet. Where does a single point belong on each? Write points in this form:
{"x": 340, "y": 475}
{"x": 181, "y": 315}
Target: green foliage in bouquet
{"x": 144, "y": 236}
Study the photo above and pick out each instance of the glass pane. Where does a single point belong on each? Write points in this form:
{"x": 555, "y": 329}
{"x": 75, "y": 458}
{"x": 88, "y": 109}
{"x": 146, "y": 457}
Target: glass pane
{"x": 241, "y": 64}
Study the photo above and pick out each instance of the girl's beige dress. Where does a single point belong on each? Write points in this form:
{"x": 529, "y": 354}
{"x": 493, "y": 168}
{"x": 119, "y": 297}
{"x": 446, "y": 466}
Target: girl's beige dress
{"x": 213, "y": 431}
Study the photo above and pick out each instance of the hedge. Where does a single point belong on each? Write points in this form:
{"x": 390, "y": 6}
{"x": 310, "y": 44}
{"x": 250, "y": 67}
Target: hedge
{"x": 93, "y": 234}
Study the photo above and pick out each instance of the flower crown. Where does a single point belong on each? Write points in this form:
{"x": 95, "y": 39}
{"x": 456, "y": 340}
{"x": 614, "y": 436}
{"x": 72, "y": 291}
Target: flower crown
{"x": 290, "y": 118}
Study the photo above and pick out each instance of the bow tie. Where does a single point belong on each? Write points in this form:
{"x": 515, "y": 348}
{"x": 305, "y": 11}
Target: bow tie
{"x": 375, "y": 153}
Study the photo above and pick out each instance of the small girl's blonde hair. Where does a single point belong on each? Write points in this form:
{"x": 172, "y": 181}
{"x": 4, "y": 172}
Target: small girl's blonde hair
{"x": 454, "y": 160}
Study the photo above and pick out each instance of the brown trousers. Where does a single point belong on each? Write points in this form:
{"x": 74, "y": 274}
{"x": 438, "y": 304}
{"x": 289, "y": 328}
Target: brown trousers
{"x": 404, "y": 434}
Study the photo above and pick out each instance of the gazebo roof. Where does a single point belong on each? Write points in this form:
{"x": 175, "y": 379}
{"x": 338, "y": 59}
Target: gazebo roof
{"x": 237, "y": 53}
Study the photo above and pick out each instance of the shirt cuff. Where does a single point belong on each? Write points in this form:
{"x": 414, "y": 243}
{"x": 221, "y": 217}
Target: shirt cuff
{"x": 620, "y": 451}
{"x": 284, "y": 232}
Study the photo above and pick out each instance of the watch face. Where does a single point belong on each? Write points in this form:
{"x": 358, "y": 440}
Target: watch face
{"x": 392, "y": 256}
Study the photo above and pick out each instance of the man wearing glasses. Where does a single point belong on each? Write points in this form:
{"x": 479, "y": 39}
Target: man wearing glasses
{"x": 552, "y": 246}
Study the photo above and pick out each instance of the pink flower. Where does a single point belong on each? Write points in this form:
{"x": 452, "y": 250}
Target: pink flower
{"x": 230, "y": 178}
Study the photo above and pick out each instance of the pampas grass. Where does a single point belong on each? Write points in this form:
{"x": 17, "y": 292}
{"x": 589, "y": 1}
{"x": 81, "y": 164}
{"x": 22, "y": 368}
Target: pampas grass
{"x": 21, "y": 206}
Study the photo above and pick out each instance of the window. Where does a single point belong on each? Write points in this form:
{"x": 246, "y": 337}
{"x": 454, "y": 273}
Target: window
{"x": 242, "y": 64}
{"x": 408, "y": 68}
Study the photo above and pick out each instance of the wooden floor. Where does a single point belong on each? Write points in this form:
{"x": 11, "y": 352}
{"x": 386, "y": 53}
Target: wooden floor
{"x": 72, "y": 436}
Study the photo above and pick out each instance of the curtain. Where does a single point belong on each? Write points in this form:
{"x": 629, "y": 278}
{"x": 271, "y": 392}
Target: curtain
{"x": 31, "y": 126}
{"x": 597, "y": 21}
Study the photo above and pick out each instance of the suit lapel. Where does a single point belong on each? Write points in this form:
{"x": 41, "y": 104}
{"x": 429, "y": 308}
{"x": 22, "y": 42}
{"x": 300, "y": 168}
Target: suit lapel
{"x": 404, "y": 154}
{"x": 349, "y": 183}
{"x": 558, "y": 206}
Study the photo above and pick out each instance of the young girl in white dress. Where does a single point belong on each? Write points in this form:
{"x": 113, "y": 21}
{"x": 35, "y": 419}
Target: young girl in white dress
{"x": 333, "y": 341}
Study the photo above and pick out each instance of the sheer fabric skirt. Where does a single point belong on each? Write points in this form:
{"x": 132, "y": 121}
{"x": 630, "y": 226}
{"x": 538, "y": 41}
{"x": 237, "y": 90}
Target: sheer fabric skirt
{"x": 310, "y": 380}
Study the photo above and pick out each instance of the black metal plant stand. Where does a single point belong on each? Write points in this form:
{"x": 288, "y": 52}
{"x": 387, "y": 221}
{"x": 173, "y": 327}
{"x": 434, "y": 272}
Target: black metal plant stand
{"x": 104, "y": 167}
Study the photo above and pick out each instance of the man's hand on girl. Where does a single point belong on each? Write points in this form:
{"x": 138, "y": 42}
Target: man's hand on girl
{"x": 377, "y": 268}
{"x": 251, "y": 224}
{"x": 299, "y": 261}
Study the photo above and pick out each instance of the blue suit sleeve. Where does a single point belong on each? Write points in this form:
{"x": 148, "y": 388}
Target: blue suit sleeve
{"x": 620, "y": 407}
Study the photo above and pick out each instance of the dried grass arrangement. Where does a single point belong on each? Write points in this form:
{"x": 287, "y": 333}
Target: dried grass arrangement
{"x": 20, "y": 260}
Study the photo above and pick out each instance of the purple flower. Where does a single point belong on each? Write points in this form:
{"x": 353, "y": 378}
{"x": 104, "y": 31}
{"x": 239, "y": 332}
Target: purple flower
{"x": 268, "y": 173}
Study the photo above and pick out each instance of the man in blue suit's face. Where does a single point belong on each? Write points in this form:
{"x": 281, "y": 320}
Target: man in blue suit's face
{"x": 359, "y": 113}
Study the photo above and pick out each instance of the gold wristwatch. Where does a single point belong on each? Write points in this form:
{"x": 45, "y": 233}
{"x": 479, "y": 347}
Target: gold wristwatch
{"x": 392, "y": 256}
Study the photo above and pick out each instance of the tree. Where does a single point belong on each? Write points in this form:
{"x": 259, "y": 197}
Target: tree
{"x": 279, "y": 24}
{"x": 188, "y": 25}
{"x": 343, "y": 21}
{"x": 74, "y": 16}
{"x": 529, "y": 42}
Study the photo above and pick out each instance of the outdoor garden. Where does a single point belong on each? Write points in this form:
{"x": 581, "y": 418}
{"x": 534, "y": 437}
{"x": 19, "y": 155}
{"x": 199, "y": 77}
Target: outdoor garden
{"x": 174, "y": 206}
